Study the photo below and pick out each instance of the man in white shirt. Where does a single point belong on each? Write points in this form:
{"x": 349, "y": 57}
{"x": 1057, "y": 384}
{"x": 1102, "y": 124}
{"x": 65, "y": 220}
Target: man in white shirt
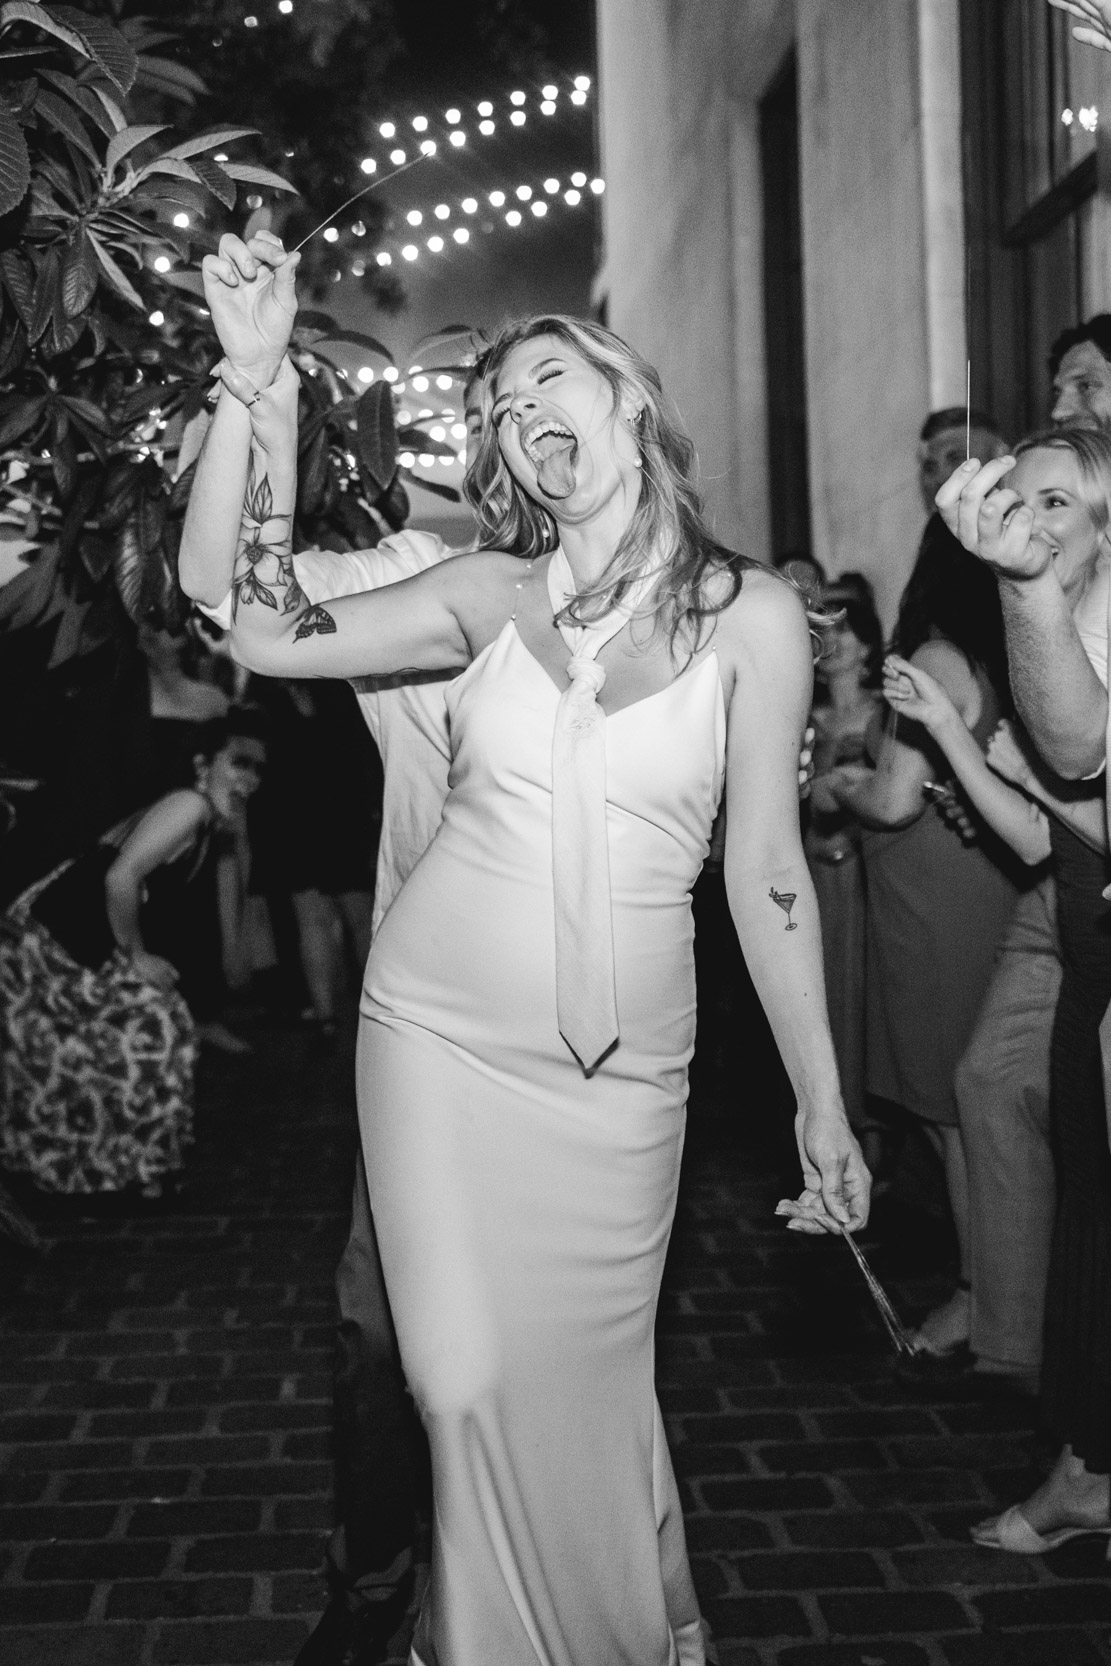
{"x": 376, "y": 1432}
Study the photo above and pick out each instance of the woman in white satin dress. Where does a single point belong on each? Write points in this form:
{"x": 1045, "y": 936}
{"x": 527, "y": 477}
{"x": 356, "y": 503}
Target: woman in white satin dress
{"x": 522, "y": 1201}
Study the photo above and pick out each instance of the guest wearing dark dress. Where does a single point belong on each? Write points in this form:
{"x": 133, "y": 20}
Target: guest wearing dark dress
{"x": 99, "y": 1045}
{"x": 937, "y": 902}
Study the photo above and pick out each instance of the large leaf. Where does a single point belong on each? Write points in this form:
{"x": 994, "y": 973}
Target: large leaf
{"x": 376, "y": 435}
{"x": 259, "y": 176}
{"x": 218, "y": 182}
{"x": 64, "y": 119}
{"x": 127, "y": 567}
{"x": 168, "y": 165}
{"x": 82, "y": 96}
{"x": 47, "y": 292}
{"x": 312, "y": 474}
{"x": 15, "y": 164}
{"x": 102, "y": 42}
{"x": 438, "y": 487}
{"x": 210, "y": 141}
{"x": 18, "y": 416}
{"x": 116, "y": 276}
{"x": 393, "y": 505}
{"x": 162, "y": 75}
{"x": 78, "y": 276}
{"x": 123, "y": 143}
{"x": 112, "y": 110}
{"x": 19, "y": 281}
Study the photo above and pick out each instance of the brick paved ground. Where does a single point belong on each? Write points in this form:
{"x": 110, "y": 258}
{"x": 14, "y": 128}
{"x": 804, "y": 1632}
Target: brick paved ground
{"x": 164, "y": 1389}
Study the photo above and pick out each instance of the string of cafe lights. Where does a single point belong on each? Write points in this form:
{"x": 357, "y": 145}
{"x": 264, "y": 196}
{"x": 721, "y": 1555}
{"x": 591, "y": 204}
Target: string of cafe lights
{"x": 535, "y": 199}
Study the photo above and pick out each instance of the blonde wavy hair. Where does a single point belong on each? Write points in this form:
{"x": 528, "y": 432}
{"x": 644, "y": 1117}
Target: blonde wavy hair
{"x": 1092, "y": 450}
{"x": 667, "y": 525}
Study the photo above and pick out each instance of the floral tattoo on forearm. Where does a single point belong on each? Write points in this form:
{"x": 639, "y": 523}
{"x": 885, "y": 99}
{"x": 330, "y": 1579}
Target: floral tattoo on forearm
{"x": 264, "y": 563}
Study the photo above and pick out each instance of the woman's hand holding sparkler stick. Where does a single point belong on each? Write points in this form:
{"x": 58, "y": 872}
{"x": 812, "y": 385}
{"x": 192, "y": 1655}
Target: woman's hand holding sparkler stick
{"x": 251, "y": 293}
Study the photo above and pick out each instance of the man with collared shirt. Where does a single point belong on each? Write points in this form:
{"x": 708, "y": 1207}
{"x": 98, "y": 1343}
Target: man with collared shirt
{"x": 377, "y": 1438}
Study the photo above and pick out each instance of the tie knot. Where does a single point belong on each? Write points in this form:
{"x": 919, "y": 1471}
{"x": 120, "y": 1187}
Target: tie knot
{"x": 585, "y": 673}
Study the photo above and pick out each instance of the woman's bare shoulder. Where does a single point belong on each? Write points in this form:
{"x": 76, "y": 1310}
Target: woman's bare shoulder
{"x": 766, "y": 613}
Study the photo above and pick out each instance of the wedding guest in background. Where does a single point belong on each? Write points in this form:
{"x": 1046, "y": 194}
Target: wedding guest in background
{"x": 846, "y": 703}
{"x": 1058, "y": 673}
{"x": 99, "y": 1043}
{"x": 937, "y": 905}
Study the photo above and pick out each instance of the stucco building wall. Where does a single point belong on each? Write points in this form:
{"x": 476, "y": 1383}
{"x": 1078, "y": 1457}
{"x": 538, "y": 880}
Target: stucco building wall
{"x": 882, "y": 239}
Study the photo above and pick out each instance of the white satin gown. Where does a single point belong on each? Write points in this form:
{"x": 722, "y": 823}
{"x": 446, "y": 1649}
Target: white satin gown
{"x": 522, "y": 1210}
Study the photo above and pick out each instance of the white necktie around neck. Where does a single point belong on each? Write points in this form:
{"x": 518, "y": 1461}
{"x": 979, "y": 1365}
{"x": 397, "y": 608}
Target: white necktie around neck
{"x": 586, "y": 992}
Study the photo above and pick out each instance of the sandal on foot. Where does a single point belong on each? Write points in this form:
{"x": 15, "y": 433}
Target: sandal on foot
{"x": 1011, "y": 1531}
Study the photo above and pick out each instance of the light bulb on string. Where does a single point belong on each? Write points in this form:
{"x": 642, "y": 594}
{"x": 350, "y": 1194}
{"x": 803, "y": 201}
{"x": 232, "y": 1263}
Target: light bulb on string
{"x": 513, "y": 218}
{"x": 435, "y": 244}
{"x": 443, "y": 383}
{"x": 390, "y": 373}
{"x": 331, "y": 235}
{"x": 384, "y": 258}
{"x": 459, "y": 430}
{"x": 285, "y": 7}
{"x": 539, "y": 209}
{"x": 579, "y": 180}
{"x": 387, "y": 130}
{"x": 572, "y": 198}
{"x": 549, "y": 91}
{"x": 442, "y": 211}
{"x": 397, "y": 157}
{"x": 524, "y": 192}
{"x": 458, "y": 138}
{"x": 162, "y": 264}
{"x": 485, "y": 108}
{"x": 365, "y": 373}
{"x": 461, "y": 234}
{"x": 516, "y": 98}
{"x": 452, "y": 116}
{"x": 547, "y": 108}
{"x": 420, "y": 383}
{"x": 597, "y": 186}
{"x": 410, "y": 252}
{"x": 181, "y": 221}
{"x": 414, "y": 216}
{"x": 358, "y": 229}
{"x": 368, "y": 165}
{"x": 428, "y": 147}
{"x": 551, "y": 186}
{"x": 438, "y": 431}
{"x": 578, "y": 98}
{"x": 517, "y": 117}
{"x": 582, "y": 83}
{"x": 156, "y": 318}
{"x": 420, "y": 124}
{"x": 469, "y": 205}
{"x": 486, "y": 128}
{"x": 406, "y": 459}
{"x": 497, "y": 198}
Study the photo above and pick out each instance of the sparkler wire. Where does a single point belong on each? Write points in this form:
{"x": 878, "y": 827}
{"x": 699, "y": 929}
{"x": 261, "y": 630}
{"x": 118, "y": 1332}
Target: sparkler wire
{"x": 364, "y": 192}
{"x": 892, "y": 1323}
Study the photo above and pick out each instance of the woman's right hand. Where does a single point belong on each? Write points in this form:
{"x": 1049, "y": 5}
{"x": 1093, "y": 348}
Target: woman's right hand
{"x": 251, "y": 293}
{"x": 912, "y": 691}
{"x": 1006, "y": 756}
{"x": 154, "y": 968}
